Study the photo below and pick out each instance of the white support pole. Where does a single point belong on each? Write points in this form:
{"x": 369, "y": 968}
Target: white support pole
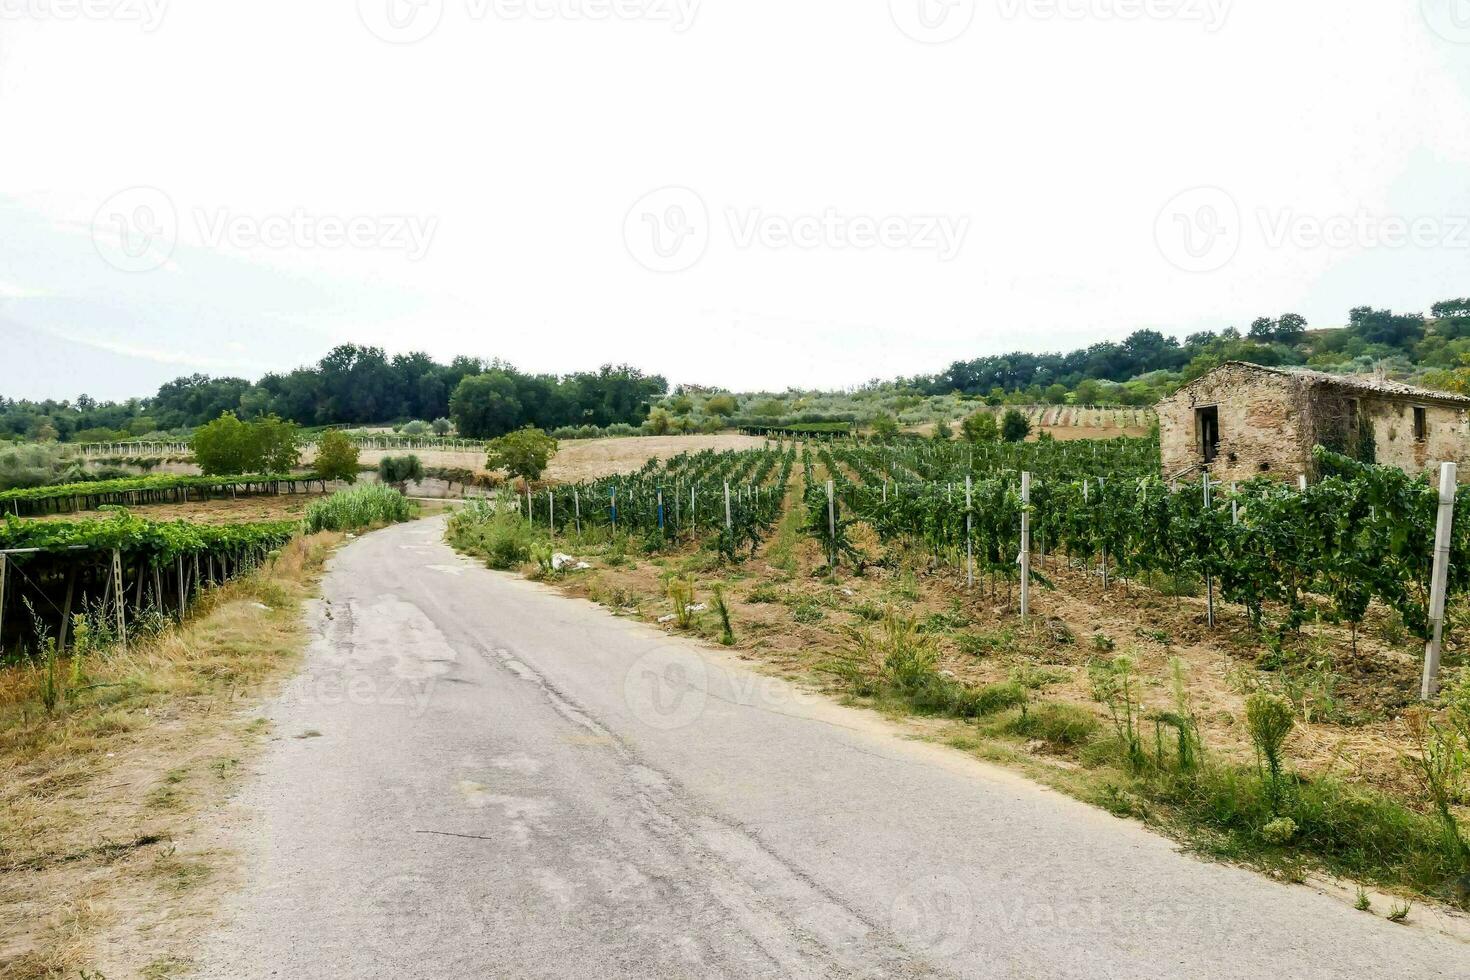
{"x": 551, "y": 512}
{"x": 1025, "y": 545}
{"x": 1441, "y": 579}
{"x": 577, "y": 509}
{"x": 1209, "y": 579}
{"x": 3, "y": 559}
{"x": 1301, "y": 482}
{"x": 831, "y": 513}
{"x": 729, "y": 524}
{"x": 969, "y": 540}
{"x": 1234, "y": 505}
{"x": 117, "y": 596}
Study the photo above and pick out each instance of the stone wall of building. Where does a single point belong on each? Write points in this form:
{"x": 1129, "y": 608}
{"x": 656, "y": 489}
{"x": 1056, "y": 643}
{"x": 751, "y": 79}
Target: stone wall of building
{"x": 1264, "y": 430}
{"x": 1269, "y": 422}
{"x": 1446, "y": 437}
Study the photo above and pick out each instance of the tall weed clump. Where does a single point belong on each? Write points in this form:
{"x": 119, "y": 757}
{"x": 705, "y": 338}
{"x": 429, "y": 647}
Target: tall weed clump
{"x": 496, "y": 531}
{"x": 358, "y": 507}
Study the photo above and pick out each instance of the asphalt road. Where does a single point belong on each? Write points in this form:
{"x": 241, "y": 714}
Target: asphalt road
{"x": 479, "y": 778}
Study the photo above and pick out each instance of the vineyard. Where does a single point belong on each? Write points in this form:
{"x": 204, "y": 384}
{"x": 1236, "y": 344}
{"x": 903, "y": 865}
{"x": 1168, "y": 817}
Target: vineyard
{"x": 138, "y": 491}
{"x": 1285, "y": 554}
{"x": 735, "y": 495}
{"x": 116, "y": 571}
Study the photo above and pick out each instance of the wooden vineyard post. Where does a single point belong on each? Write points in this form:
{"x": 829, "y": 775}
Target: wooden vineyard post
{"x": 1025, "y": 546}
{"x": 1441, "y": 579}
{"x": 969, "y": 539}
{"x": 117, "y": 600}
{"x": 1209, "y": 579}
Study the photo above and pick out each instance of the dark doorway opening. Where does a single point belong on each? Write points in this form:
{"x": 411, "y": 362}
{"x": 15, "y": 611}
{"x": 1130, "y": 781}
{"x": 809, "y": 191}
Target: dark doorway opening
{"x": 1207, "y": 426}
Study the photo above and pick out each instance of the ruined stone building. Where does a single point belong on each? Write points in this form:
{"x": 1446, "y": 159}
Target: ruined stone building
{"x": 1244, "y": 420}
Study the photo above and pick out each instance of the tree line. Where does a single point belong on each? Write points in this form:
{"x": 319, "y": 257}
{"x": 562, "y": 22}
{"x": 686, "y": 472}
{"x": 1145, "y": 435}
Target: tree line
{"x": 1407, "y": 341}
{"x": 355, "y": 385}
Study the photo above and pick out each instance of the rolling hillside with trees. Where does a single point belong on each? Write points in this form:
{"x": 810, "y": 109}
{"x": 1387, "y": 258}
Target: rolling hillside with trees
{"x": 357, "y": 385}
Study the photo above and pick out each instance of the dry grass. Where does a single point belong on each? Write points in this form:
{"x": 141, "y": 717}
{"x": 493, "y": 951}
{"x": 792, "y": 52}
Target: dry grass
{"x": 94, "y": 796}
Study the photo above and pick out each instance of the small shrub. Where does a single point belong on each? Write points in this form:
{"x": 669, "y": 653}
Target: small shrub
{"x": 1279, "y": 831}
{"x": 722, "y": 609}
{"x": 763, "y": 594}
{"x": 1364, "y": 903}
{"x": 1269, "y": 720}
{"x": 1061, "y": 726}
{"x": 495, "y": 531}
{"x": 681, "y": 594}
{"x": 400, "y": 471}
{"x": 983, "y": 644}
{"x": 807, "y": 612}
{"x": 1400, "y": 911}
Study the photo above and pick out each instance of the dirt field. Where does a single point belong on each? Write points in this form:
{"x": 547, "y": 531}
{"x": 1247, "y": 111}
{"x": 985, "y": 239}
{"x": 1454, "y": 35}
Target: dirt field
{"x": 286, "y": 507}
{"x": 587, "y": 459}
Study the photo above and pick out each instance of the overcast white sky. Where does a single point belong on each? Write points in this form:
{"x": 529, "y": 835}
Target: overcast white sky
{"x": 750, "y": 193}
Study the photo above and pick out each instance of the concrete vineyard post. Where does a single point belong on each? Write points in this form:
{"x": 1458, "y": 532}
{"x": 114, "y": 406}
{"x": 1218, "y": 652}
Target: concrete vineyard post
{"x": 1301, "y": 482}
{"x": 831, "y": 512}
{"x": 1025, "y": 545}
{"x": 1441, "y": 578}
{"x": 1209, "y": 579}
{"x": 729, "y": 524}
{"x": 2, "y": 595}
{"x": 969, "y": 540}
{"x": 117, "y": 598}
{"x": 577, "y": 508}
{"x": 551, "y": 512}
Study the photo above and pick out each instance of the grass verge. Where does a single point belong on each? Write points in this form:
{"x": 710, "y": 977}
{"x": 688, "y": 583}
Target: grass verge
{"x": 96, "y": 794}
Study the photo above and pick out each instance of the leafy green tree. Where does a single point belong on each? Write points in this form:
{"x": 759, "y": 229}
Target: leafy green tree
{"x": 1291, "y": 328}
{"x": 723, "y": 405}
{"x": 400, "y": 471}
{"x": 277, "y": 444}
{"x": 980, "y": 427}
{"x": 336, "y": 457}
{"x": 228, "y": 446}
{"x": 885, "y": 426}
{"x": 524, "y": 453}
{"x": 1014, "y": 427}
{"x": 485, "y": 406}
{"x": 658, "y": 422}
{"x": 943, "y": 432}
{"x": 442, "y": 426}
